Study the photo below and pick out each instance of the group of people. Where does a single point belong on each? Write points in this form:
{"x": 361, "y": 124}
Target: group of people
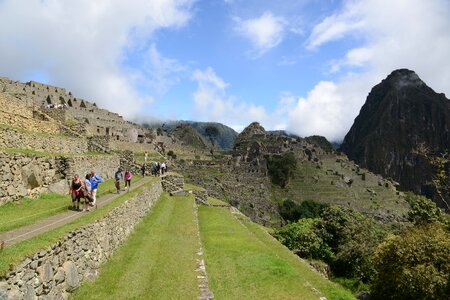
{"x": 160, "y": 168}
{"x": 119, "y": 176}
{"x": 84, "y": 189}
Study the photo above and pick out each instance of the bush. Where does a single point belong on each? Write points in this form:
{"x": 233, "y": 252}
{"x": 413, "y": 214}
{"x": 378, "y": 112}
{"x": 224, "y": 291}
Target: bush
{"x": 301, "y": 237}
{"x": 281, "y": 168}
{"x": 291, "y": 211}
{"x": 415, "y": 265}
{"x": 424, "y": 211}
{"x": 353, "y": 238}
{"x": 170, "y": 153}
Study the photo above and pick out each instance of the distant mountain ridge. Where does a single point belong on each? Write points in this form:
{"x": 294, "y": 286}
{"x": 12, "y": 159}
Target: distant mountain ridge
{"x": 400, "y": 113}
{"x": 224, "y": 139}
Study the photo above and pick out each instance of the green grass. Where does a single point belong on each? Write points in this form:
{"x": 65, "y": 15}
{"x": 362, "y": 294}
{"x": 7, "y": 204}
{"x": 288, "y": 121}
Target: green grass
{"x": 215, "y": 201}
{"x": 193, "y": 187}
{"x": 31, "y": 152}
{"x": 29, "y": 211}
{"x": 156, "y": 262}
{"x": 244, "y": 262}
{"x": 13, "y": 255}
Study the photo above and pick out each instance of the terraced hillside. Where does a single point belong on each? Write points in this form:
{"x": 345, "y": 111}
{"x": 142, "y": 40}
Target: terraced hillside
{"x": 244, "y": 180}
{"x": 242, "y": 260}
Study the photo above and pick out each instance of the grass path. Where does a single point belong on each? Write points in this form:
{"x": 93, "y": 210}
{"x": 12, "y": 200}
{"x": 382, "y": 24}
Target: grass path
{"x": 244, "y": 262}
{"x": 157, "y": 261}
{"x": 11, "y": 256}
{"x": 29, "y": 211}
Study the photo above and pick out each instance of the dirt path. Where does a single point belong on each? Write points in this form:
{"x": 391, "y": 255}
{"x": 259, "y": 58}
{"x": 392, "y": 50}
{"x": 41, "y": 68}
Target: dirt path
{"x": 24, "y": 233}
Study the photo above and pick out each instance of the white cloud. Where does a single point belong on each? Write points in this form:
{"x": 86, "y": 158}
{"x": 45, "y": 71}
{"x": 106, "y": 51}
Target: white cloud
{"x": 409, "y": 34}
{"x": 81, "y": 44}
{"x": 335, "y": 27}
{"x": 161, "y": 72}
{"x": 264, "y": 32}
{"x": 212, "y": 103}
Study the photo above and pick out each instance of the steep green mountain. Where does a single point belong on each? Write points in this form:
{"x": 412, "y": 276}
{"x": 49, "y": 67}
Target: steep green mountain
{"x": 218, "y": 134}
{"x": 399, "y": 115}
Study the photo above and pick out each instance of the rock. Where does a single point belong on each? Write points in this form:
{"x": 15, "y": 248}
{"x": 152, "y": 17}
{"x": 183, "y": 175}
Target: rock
{"x": 45, "y": 272}
{"x": 30, "y": 294}
{"x": 15, "y": 294}
{"x": 59, "y": 187}
{"x": 72, "y": 277}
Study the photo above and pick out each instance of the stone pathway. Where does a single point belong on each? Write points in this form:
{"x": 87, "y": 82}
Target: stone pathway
{"x": 26, "y": 232}
{"x": 202, "y": 277}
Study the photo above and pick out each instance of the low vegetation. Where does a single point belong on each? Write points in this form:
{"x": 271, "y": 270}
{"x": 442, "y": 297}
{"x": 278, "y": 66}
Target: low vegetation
{"x": 406, "y": 262}
{"x": 11, "y": 256}
{"x": 29, "y": 211}
{"x": 156, "y": 262}
{"x": 244, "y": 262}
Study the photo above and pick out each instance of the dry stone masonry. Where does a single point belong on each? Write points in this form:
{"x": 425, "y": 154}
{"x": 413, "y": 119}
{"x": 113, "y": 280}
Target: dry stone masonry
{"x": 55, "y": 272}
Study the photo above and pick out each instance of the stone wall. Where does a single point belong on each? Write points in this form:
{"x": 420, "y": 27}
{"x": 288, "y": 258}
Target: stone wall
{"x": 135, "y": 147}
{"x": 15, "y": 112}
{"x": 13, "y": 138}
{"x": 55, "y": 272}
{"x": 172, "y": 183}
{"x": 20, "y": 175}
{"x": 28, "y": 175}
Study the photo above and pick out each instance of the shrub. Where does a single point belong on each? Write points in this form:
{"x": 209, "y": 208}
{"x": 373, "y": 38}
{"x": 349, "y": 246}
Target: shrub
{"x": 353, "y": 238}
{"x": 424, "y": 211}
{"x": 415, "y": 265}
{"x": 170, "y": 153}
{"x": 301, "y": 237}
{"x": 281, "y": 168}
{"x": 292, "y": 211}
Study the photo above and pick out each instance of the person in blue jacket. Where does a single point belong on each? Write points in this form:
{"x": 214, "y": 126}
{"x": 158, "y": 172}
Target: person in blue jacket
{"x": 95, "y": 180}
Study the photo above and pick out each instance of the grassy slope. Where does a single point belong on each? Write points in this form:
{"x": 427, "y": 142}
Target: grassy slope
{"x": 157, "y": 261}
{"x": 244, "y": 262}
{"x": 29, "y": 211}
{"x": 11, "y": 256}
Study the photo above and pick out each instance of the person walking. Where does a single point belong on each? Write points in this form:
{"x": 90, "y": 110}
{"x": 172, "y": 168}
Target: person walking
{"x": 87, "y": 192}
{"x": 75, "y": 191}
{"x": 95, "y": 180}
{"x": 143, "y": 170}
{"x": 128, "y": 176}
{"x": 118, "y": 176}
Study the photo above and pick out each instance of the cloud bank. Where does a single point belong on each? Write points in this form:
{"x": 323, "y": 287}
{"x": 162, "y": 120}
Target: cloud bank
{"x": 81, "y": 45}
{"x": 410, "y": 34}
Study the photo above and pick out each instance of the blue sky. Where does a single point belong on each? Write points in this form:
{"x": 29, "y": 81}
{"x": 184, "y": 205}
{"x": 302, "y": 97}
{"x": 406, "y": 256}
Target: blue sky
{"x": 305, "y": 66}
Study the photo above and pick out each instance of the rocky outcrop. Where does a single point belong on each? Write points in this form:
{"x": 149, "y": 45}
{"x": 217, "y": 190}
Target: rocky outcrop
{"x": 55, "y": 272}
{"x": 400, "y": 113}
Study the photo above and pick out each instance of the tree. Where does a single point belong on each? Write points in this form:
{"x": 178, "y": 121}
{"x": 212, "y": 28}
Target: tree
{"x": 302, "y": 238}
{"x": 415, "y": 265}
{"x": 281, "y": 168}
{"x": 424, "y": 211}
{"x": 441, "y": 164}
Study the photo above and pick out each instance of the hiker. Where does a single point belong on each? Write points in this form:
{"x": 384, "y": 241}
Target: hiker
{"x": 163, "y": 168}
{"x": 75, "y": 191}
{"x": 145, "y": 156}
{"x": 95, "y": 180}
{"x": 87, "y": 192}
{"x": 158, "y": 169}
{"x": 143, "y": 170}
{"x": 128, "y": 176}
{"x": 118, "y": 176}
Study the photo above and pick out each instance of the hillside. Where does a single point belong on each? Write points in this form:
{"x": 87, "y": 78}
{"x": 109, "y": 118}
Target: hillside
{"x": 224, "y": 138}
{"x": 401, "y": 113}
{"x": 244, "y": 180}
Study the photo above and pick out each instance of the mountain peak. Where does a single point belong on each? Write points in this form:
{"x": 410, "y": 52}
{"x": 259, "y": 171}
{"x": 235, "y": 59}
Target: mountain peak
{"x": 401, "y": 78}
